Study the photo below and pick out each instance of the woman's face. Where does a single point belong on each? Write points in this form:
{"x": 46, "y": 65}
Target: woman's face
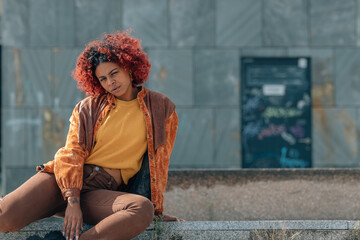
{"x": 115, "y": 80}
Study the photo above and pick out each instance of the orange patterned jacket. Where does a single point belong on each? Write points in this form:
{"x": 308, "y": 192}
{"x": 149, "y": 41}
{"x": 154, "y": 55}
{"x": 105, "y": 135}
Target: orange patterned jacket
{"x": 161, "y": 123}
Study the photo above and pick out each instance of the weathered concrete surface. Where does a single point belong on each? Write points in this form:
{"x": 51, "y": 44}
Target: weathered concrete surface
{"x": 271, "y": 194}
{"x": 50, "y": 229}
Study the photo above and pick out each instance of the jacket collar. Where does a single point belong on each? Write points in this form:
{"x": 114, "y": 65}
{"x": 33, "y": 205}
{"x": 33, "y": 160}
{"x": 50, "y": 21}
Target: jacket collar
{"x": 141, "y": 94}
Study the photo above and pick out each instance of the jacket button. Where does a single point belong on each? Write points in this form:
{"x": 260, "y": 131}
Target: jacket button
{"x": 149, "y": 136}
{"x": 100, "y": 119}
{"x": 97, "y": 168}
{"x": 146, "y": 114}
{"x": 113, "y": 104}
{"x": 151, "y": 157}
{"x": 153, "y": 179}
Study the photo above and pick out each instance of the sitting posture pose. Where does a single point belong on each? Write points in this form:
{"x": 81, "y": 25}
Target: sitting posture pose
{"x": 113, "y": 169}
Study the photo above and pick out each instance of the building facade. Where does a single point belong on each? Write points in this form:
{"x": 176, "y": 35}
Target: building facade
{"x": 195, "y": 48}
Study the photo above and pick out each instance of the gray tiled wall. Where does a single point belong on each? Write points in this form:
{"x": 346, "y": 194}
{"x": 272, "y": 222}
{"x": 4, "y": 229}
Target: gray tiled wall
{"x": 239, "y": 23}
{"x": 195, "y": 48}
{"x": 335, "y": 137}
{"x": 56, "y": 20}
{"x": 333, "y": 23}
{"x": 172, "y": 74}
{"x": 93, "y": 18}
{"x": 15, "y": 19}
{"x": 216, "y": 81}
{"x": 192, "y": 23}
{"x": 149, "y": 21}
{"x": 194, "y": 146}
{"x": 285, "y": 23}
{"x": 227, "y": 138}
{"x": 66, "y": 93}
{"x": 28, "y": 71}
{"x": 347, "y": 73}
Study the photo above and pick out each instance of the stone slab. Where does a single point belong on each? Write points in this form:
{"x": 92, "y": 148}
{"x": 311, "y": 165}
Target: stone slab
{"x": 192, "y": 23}
{"x": 206, "y": 235}
{"x": 149, "y": 21}
{"x": 333, "y": 23}
{"x": 264, "y": 52}
{"x": 251, "y": 225}
{"x": 216, "y": 80}
{"x": 13, "y": 137}
{"x": 227, "y": 138}
{"x": 172, "y": 74}
{"x": 66, "y": 92}
{"x": 93, "y": 19}
{"x": 353, "y": 225}
{"x": 239, "y": 230}
{"x": 358, "y": 24}
{"x": 15, "y": 176}
{"x": 347, "y": 80}
{"x": 303, "y": 234}
{"x": 285, "y": 23}
{"x": 238, "y": 23}
{"x": 195, "y": 235}
{"x": 47, "y": 132}
{"x": 15, "y": 18}
{"x": 52, "y": 224}
{"x": 335, "y": 138}
{"x": 34, "y": 137}
{"x": 52, "y": 23}
{"x": 193, "y": 150}
{"x": 26, "y": 77}
{"x": 39, "y": 133}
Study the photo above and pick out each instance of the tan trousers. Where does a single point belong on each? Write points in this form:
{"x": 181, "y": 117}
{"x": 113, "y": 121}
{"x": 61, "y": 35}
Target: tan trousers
{"x": 116, "y": 215}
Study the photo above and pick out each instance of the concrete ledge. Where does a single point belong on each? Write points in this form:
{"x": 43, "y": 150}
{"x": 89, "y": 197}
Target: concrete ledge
{"x": 246, "y": 230}
{"x": 263, "y": 194}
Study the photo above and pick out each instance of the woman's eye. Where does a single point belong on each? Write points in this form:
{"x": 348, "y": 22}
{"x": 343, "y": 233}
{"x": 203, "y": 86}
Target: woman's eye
{"x": 114, "y": 73}
{"x": 102, "y": 79}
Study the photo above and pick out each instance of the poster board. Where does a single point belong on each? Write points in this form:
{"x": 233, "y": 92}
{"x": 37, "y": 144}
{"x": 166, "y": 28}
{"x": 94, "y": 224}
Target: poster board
{"x": 276, "y": 112}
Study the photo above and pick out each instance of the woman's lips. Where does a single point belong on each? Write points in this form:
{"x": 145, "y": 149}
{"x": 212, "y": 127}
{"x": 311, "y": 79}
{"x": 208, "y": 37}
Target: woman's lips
{"x": 116, "y": 89}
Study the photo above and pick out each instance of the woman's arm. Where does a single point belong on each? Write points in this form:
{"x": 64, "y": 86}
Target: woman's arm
{"x": 69, "y": 161}
{"x": 68, "y": 170}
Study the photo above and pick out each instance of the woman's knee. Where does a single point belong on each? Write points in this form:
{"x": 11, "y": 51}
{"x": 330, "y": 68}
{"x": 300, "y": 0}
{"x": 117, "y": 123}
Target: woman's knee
{"x": 145, "y": 209}
{"x": 141, "y": 211}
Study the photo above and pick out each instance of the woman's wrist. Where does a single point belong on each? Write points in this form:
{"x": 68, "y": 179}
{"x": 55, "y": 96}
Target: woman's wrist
{"x": 73, "y": 201}
{"x": 71, "y": 192}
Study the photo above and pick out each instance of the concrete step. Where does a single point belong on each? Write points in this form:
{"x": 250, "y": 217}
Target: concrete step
{"x": 240, "y": 230}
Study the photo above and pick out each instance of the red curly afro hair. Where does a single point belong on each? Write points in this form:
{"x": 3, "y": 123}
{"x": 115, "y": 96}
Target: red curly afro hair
{"x": 120, "y": 48}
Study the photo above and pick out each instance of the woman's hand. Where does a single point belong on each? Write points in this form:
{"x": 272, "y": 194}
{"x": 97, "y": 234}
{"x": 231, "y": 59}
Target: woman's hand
{"x": 73, "y": 221}
{"x": 167, "y": 218}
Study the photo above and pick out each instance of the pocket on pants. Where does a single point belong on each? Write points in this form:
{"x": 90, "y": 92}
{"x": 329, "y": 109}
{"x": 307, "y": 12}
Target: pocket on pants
{"x": 96, "y": 177}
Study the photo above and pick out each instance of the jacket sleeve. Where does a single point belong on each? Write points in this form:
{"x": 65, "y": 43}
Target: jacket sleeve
{"x": 171, "y": 129}
{"x": 164, "y": 153}
{"x": 69, "y": 161}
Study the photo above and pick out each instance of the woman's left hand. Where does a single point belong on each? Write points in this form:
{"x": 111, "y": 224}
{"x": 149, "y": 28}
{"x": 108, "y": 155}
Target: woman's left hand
{"x": 167, "y": 218}
{"x": 73, "y": 221}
